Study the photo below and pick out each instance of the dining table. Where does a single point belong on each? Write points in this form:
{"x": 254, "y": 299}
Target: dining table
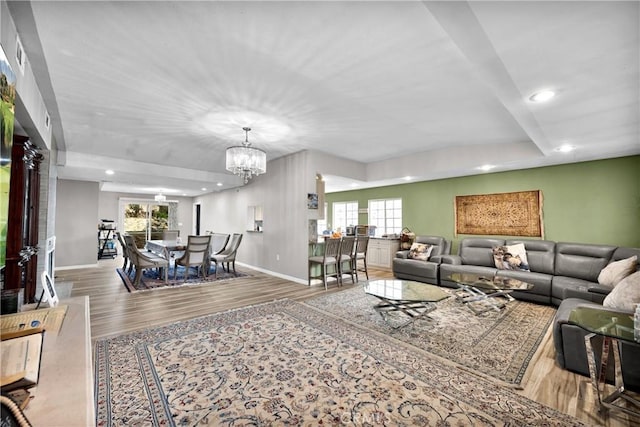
{"x": 165, "y": 247}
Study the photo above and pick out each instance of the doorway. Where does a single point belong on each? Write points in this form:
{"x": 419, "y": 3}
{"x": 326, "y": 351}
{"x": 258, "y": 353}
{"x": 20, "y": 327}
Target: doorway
{"x": 198, "y": 219}
{"x": 144, "y": 220}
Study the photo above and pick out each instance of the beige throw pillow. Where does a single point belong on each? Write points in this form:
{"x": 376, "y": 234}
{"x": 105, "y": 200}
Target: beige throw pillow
{"x": 420, "y": 251}
{"x": 513, "y": 257}
{"x": 626, "y": 294}
{"x": 613, "y": 273}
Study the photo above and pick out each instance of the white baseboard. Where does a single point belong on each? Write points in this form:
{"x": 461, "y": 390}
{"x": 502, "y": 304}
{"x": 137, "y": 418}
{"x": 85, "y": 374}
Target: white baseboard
{"x": 73, "y": 267}
{"x": 273, "y": 273}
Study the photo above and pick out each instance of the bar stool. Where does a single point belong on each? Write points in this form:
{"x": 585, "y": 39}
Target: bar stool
{"x": 326, "y": 261}
{"x": 360, "y": 254}
{"x": 345, "y": 263}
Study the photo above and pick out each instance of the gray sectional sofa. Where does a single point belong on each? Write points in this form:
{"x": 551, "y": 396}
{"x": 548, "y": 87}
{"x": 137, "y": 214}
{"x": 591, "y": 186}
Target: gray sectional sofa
{"x": 563, "y": 274}
{"x": 558, "y": 270}
{"x": 422, "y": 271}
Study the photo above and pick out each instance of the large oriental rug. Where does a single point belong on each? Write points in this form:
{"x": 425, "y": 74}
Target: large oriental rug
{"x": 286, "y": 363}
{"x": 499, "y": 344}
{"x": 502, "y": 214}
{"x": 150, "y": 279}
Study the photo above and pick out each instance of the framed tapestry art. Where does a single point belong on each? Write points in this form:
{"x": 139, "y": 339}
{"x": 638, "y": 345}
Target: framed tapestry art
{"x": 501, "y": 214}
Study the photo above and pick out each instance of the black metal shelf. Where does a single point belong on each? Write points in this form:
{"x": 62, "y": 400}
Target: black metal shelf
{"x": 107, "y": 243}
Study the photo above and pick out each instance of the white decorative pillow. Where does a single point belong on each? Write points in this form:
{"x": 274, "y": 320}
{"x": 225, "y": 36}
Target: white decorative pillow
{"x": 420, "y": 251}
{"x": 613, "y": 273}
{"x": 512, "y": 257}
{"x": 626, "y": 294}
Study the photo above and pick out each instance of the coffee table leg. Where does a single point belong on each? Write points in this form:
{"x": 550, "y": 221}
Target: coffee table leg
{"x": 472, "y": 296}
{"x": 413, "y": 309}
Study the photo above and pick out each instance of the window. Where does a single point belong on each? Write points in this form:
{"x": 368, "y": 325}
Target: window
{"x": 386, "y": 215}
{"x": 344, "y": 214}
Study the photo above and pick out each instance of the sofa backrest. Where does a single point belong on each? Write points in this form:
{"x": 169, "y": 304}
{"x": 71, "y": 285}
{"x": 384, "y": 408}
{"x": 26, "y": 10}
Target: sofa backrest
{"x": 581, "y": 260}
{"x": 624, "y": 253}
{"x": 441, "y": 246}
{"x": 541, "y": 254}
{"x": 475, "y": 251}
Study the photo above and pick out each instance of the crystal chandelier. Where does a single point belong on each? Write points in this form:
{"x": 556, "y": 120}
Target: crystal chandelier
{"x": 246, "y": 161}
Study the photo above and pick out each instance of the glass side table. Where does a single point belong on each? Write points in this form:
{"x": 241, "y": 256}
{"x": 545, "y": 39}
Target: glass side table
{"x": 613, "y": 327}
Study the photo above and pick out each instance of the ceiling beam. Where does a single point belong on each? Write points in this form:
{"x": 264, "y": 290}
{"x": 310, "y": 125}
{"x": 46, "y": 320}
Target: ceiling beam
{"x": 466, "y": 32}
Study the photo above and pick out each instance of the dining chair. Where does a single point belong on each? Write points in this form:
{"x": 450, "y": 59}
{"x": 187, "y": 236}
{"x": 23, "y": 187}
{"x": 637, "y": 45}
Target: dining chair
{"x": 228, "y": 255}
{"x": 143, "y": 260}
{"x": 218, "y": 242}
{"x": 327, "y": 260}
{"x": 360, "y": 254}
{"x": 170, "y": 234}
{"x": 127, "y": 266}
{"x": 196, "y": 254}
{"x": 345, "y": 259}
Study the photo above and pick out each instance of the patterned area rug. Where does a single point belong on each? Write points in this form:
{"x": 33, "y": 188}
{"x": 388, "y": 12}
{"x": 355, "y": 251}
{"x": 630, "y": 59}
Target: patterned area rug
{"x": 499, "y": 344}
{"x": 286, "y": 363}
{"x": 150, "y": 279}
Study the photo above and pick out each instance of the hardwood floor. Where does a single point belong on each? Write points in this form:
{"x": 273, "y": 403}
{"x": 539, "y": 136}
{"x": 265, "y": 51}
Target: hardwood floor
{"x": 115, "y": 311}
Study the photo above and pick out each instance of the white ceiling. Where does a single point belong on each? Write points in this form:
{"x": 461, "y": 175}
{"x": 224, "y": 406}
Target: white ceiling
{"x": 157, "y": 90}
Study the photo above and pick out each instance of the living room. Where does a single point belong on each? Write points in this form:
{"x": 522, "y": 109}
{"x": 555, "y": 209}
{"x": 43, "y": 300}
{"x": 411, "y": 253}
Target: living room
{"x": 397, "y": 127}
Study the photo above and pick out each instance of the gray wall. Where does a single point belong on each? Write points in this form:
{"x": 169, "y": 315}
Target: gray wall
{"x": 76, "y": 223}
{"x": 282, "y": 247}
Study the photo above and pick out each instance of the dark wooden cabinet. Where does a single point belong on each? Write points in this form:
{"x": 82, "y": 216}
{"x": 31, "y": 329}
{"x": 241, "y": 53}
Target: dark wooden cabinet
{"x": 22, "y": 229}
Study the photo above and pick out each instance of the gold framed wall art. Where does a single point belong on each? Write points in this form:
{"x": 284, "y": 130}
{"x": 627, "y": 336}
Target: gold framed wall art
{"x": 500, "y": 214}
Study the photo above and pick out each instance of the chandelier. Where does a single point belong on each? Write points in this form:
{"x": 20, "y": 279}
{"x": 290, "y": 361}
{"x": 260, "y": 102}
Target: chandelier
{"x": 160, "y": 197}
{"x": 246, "y": 161}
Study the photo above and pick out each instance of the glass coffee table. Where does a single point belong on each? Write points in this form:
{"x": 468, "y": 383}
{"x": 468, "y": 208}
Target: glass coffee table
{"x": 613, "y": 327}
{"x": 414, "y": 299}
{"x": 482, "y": 294}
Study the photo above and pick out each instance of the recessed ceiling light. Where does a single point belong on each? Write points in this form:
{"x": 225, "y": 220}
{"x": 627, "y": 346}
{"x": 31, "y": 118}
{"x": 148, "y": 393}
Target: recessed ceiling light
{"x": 203, "y": 189}
{"x": 407, "y": 178}
{"x": 542, "y": 96}
{"x": 109, "y": 172}
{"x": 219, "y": 184}
{"x": 486, "y": 168}
{"x": 355, "y": 184}
{"x": 566, "y": 148}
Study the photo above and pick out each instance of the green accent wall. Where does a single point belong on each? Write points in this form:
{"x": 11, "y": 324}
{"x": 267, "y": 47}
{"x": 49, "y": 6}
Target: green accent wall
{"x": 589, "y": 202}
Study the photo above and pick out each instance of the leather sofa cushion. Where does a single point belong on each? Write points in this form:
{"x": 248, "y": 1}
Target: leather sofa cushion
{"x": 563, "y": 287}
{"x": 540, "y": 254}
{"x": 478, "y": 252}
{"x": 439, "y": 244}
{"x": 582, "y": 261}
{"x": 419, "y": 268}
{"x": 624, "y": 253}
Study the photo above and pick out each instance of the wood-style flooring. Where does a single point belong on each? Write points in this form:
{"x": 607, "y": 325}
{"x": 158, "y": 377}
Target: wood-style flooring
{"x": 115, "y": 311}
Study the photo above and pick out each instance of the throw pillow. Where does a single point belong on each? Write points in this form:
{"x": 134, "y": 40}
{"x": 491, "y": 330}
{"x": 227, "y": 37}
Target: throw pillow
{"x": 420, "y": 251}
{"x": 512, "y": 257}
{"x": 613, "y": 273}
{"x": 626, "y": 294}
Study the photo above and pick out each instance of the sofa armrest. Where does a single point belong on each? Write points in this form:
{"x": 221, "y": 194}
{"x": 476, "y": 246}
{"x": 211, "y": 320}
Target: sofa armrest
{"x": 597, "y": 289}
{"x": 402, "y": 254}
{"x": 451, "y": 259}
{"x": 436, "y": 259}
